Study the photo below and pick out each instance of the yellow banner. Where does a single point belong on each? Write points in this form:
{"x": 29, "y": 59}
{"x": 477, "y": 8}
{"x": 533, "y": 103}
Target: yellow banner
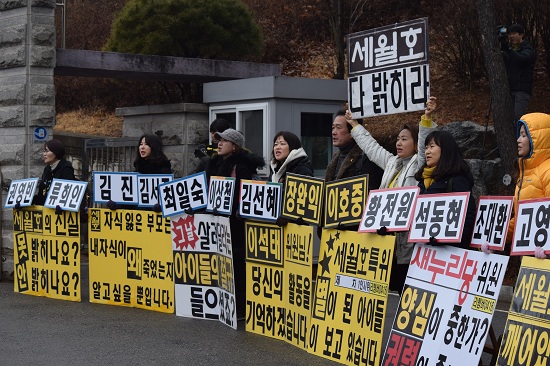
{"x": 351, "y": 297}
{"x": 130, "y": 259}
{"x": 303, "y": 198}
{"x": 47, "y": 253}
{"x": 279, "y": 287}
{"x": 344, "y": 201}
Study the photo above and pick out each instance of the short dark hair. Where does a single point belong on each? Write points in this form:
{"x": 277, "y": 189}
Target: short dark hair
{"x": 342, "y": 112}
{"x": 451, "y": 161}
{"x": 516, "y": 28}
{"x": 219, "y": 125}
{"x": 56, "y": 147}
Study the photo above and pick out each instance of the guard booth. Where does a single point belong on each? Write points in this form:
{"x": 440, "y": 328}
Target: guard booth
{"x": 261, "y": 107}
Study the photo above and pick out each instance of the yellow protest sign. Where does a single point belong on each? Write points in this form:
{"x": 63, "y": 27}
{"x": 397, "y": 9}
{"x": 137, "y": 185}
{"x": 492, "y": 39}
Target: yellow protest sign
{"x": 279, "y": 281}
{"x": 351, "y": 295}
{"x": 130, "y": 259}
{"x": 303, "y": 198}
{"x": 47, "y": 253}
{"x": 344, "y": 201}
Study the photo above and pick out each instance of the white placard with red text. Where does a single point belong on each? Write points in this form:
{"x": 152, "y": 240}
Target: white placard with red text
{"x": 446, "y": 308}
{"x": 390, "y": 208}
{"x": 532, "y": 227}
{"x": 440, "y": 216}
{"x": 492, "y": 219}
{"x": 203, "y": 268}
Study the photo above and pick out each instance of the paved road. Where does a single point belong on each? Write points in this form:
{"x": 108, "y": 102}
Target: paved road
{"x": 41, "y": 331}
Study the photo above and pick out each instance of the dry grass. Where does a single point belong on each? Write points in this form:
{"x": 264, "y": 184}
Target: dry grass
{"x": 96, "y": 122}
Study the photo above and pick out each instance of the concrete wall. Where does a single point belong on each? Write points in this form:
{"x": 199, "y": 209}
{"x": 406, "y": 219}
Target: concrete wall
{"x": 184, "y": 126}
{"x": 27, "y": 60}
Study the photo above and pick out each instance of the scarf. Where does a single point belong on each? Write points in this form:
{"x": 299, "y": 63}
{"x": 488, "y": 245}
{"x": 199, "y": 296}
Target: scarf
{"x": 280, "y": 172}
{"x": 427, "y": 176}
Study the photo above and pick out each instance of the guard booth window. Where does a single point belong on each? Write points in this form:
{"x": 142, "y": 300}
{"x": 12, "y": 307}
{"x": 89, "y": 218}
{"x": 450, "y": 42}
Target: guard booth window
{"x": 317, "y": 140}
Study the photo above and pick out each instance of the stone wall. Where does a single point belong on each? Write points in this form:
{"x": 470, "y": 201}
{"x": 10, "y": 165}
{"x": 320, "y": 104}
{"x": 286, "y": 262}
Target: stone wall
{"x": 182, "y": 127}
{"x": 27, "y": 60}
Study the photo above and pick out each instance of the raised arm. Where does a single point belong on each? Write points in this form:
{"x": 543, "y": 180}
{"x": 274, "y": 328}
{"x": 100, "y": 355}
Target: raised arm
{"x": 374, "y": 151}
{"x": 426, "y": 126}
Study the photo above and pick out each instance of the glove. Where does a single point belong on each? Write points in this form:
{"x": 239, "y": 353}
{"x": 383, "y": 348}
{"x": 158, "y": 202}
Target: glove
{"x": 17, "y": 206}
{"x": 300, "y": 221}
{"x": 433, "y": 242}
{"x": 539, "y": 253}
{"x": 189, "y": 211}
{"x": 157, "y": 208}
{"x": 200, "y": 151}
{"x": 485, "y": 248}
{"x": 112, "y": 205}
{"x": 282, "y": 221}
{"x": 58, "y": 210}
{"x": 383, "y": 231}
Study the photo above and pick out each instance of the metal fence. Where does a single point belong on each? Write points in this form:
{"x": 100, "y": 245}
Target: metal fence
{"x": 108, "y": 155}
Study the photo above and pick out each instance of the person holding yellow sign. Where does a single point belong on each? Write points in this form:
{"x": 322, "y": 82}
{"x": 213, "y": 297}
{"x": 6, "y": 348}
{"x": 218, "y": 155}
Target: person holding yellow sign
{"x": 399, "y": 171}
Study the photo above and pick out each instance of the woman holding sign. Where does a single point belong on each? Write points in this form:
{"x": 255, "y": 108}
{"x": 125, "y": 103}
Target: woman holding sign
{"x": 399, "y": 171}
{"x": 56, "y": 167}
{"x": 149, "y": 156}
{"x": 446, "y": 171}
{"x": 288, "y": 157}
{"x": 150, "y": 159}
{"x": 533, "y": 163}
{"x": 233, "y": 160}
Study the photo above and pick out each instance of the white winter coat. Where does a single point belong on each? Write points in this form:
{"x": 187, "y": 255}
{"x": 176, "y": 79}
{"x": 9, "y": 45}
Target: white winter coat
{"x": 391, "y": 165}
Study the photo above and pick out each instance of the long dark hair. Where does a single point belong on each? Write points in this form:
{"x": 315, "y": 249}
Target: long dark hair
{"x": 451, "y": 162}
{"x": 155, "y": 143}
{"x": 291, "y": 139}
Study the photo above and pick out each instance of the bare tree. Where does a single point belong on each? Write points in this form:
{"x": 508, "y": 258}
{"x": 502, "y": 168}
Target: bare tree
{"x": 501, "y": 103}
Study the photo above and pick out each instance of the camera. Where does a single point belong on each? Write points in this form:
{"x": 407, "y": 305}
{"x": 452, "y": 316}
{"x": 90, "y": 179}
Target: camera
{"x": 203, "y": 150}
{"x": 502, "y": 32}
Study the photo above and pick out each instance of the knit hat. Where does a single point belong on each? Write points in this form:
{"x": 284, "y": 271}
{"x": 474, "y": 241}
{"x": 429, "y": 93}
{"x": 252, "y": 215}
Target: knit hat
{"x": 56, "y": 147}
{"x": 231, "y": 135}
{"x": 516, "y": 28}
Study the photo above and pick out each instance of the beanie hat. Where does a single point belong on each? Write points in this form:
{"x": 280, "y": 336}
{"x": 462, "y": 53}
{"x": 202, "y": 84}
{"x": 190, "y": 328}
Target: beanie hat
{"x": 231, "y": 135}
{"x": 57, "y": 148}
{"x": 516, "y": 28}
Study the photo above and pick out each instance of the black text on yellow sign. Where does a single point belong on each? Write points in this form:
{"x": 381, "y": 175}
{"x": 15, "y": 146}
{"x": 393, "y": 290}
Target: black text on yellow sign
{"x": 344, "y": 201}
{"x": 303, "y": 198}
{"x": 264, "y": 243}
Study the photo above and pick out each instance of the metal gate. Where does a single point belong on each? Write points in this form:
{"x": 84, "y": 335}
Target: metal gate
{"x": 108, "y": 155}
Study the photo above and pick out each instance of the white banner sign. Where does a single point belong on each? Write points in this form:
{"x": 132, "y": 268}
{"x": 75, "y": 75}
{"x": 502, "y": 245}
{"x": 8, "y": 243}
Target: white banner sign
{"x": 21, "y": 191}
{"x": 446, "y": 307}
{"x": 440, "y": 216}
{"x": 67, "y": 194}
{"x": 260, "y": 200}
{"x": 492, "y": 220}
{"x": 390, "y": 208}
{"x": 119, "y": 187}
{"x": 148, "y": 188}
{"x": 181, "y": 195}
{"x": 220, "y": 195}
{"x": 532, "y": 227}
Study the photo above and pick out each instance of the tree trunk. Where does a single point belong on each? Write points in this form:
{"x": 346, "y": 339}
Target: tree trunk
{"x": 501, "y": 102}
{"x": 336, "y": 29}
